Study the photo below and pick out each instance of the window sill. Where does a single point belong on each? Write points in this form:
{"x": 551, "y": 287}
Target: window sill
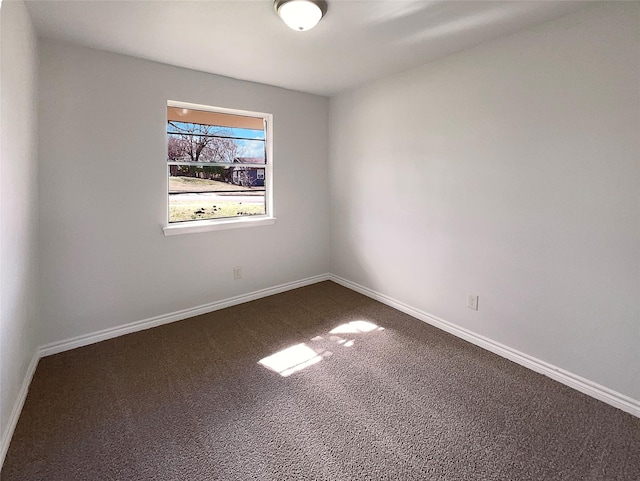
{"x": 206, "y": 226}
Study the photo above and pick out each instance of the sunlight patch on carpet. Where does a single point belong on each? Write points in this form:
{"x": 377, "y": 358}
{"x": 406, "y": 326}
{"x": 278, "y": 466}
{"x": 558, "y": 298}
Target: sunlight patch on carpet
{"x": 299, "y": 357}
{"x": 354, "y": 327}
{"x": 291, "y": 359}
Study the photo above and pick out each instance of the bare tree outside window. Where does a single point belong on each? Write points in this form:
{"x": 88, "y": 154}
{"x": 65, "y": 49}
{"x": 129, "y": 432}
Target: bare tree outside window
{"x": 200, "y": 143}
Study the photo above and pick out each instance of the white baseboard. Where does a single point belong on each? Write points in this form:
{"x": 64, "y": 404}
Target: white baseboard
{"x": 17, "y": 408}
{"x": 613, "y": 398}
{"x": 84, "y": 340}
{"x": 585, "y": 386}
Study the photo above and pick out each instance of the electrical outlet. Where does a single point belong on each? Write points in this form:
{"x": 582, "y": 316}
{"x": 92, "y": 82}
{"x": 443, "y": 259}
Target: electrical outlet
{"x": 472, "y": 301}
{"x": 237, "y": 272}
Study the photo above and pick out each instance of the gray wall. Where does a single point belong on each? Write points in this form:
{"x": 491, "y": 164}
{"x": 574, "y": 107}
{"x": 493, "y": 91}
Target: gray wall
{"x": 105, "y": 260}
{"x": 18, "y": 206}
{"x": 512, "y": 171}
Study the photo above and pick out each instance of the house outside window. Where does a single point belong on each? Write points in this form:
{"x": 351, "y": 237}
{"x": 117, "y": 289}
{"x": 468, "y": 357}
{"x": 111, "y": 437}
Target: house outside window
{"x": 219, "y": 168}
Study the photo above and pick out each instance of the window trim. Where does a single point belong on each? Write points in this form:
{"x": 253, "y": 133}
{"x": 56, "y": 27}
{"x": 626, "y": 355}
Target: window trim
{"x": 206, "y": 225}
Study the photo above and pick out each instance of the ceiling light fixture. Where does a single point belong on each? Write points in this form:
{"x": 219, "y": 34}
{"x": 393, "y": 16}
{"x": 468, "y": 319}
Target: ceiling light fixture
{"x": 300, "y": 14}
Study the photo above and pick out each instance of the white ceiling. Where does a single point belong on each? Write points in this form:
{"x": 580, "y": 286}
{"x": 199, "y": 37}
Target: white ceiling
{"x": 356, "y": 42}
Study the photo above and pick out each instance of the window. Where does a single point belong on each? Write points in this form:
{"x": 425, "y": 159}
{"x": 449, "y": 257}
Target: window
{"x": 218, "y": 167}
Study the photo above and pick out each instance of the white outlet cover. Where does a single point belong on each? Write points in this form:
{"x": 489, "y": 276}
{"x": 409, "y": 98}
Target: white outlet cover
{"x": 237, "y": 272}
{"x": 472, "y": 301}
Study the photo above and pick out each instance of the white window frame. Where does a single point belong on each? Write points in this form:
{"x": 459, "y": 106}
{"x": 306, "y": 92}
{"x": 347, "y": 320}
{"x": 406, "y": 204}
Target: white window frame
{"x": 206, "y": 225}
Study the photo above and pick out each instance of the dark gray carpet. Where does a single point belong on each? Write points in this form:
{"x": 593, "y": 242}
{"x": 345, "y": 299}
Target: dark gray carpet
{"x": 189, "y": 401}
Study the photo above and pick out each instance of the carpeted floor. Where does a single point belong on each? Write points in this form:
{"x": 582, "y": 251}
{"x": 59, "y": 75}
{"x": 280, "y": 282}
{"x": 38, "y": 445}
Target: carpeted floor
{"x": 390, "y": 398}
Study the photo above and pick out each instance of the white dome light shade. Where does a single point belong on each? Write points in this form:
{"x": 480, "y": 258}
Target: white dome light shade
{"x": 299, "y": 14}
